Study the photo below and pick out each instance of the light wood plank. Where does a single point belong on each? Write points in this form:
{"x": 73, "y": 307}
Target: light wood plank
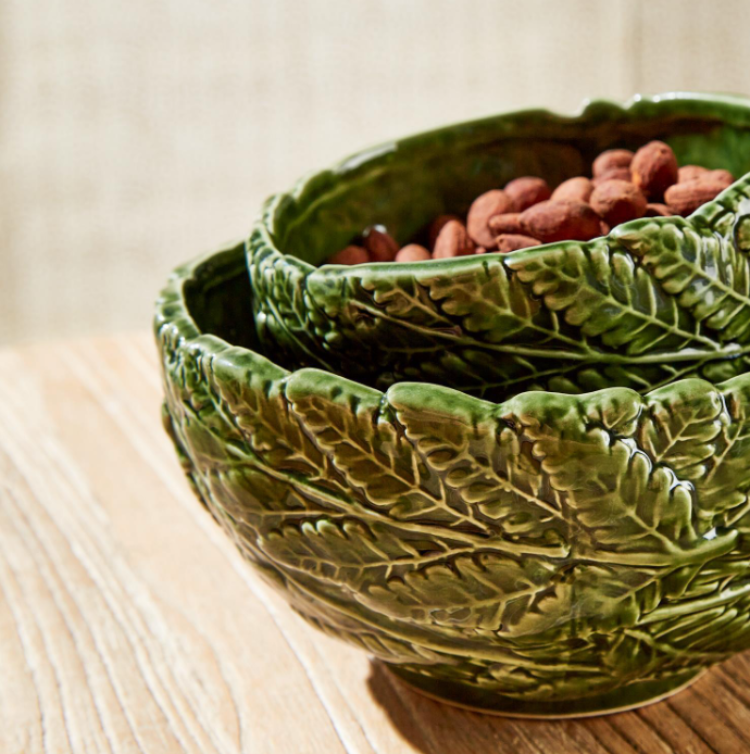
{"x": 127, "y": 640}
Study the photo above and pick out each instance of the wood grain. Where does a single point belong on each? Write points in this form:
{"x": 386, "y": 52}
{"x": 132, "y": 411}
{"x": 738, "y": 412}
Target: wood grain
{"x": 128, "y": 623}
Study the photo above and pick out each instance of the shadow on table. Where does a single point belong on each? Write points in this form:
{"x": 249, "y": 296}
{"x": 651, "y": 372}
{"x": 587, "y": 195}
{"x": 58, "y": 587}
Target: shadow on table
{"x": 435, "y": 728}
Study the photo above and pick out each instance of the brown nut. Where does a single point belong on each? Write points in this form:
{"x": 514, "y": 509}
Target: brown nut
{"x": 604, "y": 228}
{"x": 616, "y": 174}
{"x": 575, "y": 189}
{"x": 434, "y": 228}
{"x": 722, "y": 176}
{"x": 654, "y": 169}
{"x": 413, "y": 252}
{"x": 561, "y": 221}
{"x": 380, "y": 245}
{"x": 527, "y": 191}
{"x": 494, "y": 202}
{"x": 514, "y": 241}
{"x": 685, "y": 198}
{"x": 510, "y": 222}
{"x": 617, "y": 202}
{"x": 453, "y": 241}
{"x": 350, "y": 255}
{"x": 657, "y": 210}
{"x": 690, "y": 173}
{"x": 611, "y": 160}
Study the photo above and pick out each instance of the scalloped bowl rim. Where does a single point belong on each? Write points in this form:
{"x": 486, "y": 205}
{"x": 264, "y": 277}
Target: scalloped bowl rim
{"x": 172, "y": 311}
{"x": 264, "y": 226}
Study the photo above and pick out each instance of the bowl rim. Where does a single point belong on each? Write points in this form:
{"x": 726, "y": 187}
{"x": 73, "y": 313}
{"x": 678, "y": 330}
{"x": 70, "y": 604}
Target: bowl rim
{"x": 176, "y": 329}
{"x": 262, "y": 241}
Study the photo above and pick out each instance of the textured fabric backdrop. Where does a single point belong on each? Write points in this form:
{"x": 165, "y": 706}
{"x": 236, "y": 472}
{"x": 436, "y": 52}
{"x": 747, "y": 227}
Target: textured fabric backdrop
{"x": 136, "y": 135}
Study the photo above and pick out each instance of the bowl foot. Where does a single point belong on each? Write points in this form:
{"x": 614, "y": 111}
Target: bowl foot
{"x": 479, "y": 700}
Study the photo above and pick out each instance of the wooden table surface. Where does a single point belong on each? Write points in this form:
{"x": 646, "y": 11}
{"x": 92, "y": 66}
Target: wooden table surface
{"x": 128, "y": 623}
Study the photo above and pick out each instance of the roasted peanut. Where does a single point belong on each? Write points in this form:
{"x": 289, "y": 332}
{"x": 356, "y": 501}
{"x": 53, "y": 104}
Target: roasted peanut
{"x": 685, "y": 198}
{"x": 575, "y": 189}
{"x": 617, "y": 202}
{"x": 527, "y": 191}
{"x": 510, "y": 222}
{"x": 412, "y": 252}
{"x": 654, "y": 169}
{"x": 690, "y": 173}
{"x": 485, "y": 206}
{"x": 612, "y": 159}
{"x": 380, "y": 245}
{"x": 453, "y": 241}
{"x": 433, "y": 230}
{"x": 722, "y": 176}
{"x": 513, "y": 242}
{"x": 561, "y": 221}
{"x": 350, "y": 255}
{"x": 617, "y": 174}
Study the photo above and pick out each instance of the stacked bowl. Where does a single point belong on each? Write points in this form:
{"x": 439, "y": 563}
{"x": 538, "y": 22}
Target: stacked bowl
{"x": 521, "y": 480}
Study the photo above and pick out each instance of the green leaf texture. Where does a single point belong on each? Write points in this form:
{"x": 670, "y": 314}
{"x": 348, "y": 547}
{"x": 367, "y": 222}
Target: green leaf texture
{"x": 543, "y": 547}
{"x": 657, "y": 300}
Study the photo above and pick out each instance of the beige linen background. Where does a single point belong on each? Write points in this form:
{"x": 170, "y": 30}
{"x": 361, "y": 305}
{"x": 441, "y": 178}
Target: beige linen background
{"x": 135, "y": 135}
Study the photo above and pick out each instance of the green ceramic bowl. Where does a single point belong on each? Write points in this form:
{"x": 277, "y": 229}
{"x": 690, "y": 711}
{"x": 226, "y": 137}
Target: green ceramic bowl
{"x": 550, "y": 555}
{"x": 657, "y": 300}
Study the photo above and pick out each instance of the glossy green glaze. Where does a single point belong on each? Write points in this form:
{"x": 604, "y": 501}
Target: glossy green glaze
{"x": 552, "y": 554}
{"x": 657, "y": 300}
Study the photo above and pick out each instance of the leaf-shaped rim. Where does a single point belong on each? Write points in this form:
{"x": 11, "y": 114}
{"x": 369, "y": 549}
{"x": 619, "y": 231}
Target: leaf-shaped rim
{"x": 175, "y": 327}
{"x": 265, "y": 236}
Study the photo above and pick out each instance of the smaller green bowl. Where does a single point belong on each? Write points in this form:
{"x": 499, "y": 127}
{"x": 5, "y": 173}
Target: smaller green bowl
{"x": 656, "y": 300}
{"x": 551, "y": 555}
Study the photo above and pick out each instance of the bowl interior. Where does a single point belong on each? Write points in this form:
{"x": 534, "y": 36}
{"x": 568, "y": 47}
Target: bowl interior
{"x": 404, "y": 184}
{"x": 220, "y": 300}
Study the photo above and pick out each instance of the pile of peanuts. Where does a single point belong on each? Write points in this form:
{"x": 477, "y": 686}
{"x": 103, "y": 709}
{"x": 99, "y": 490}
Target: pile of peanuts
{"x": 624, "y": 186}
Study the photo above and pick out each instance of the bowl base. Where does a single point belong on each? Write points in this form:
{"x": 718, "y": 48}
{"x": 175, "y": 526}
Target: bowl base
{"x": 479, "y": 700}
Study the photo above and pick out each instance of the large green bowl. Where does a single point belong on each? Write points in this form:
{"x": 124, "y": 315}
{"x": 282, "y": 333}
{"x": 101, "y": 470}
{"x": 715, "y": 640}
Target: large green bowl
{"x": 657, "y": 300}
{"x": 550, "y": 555}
